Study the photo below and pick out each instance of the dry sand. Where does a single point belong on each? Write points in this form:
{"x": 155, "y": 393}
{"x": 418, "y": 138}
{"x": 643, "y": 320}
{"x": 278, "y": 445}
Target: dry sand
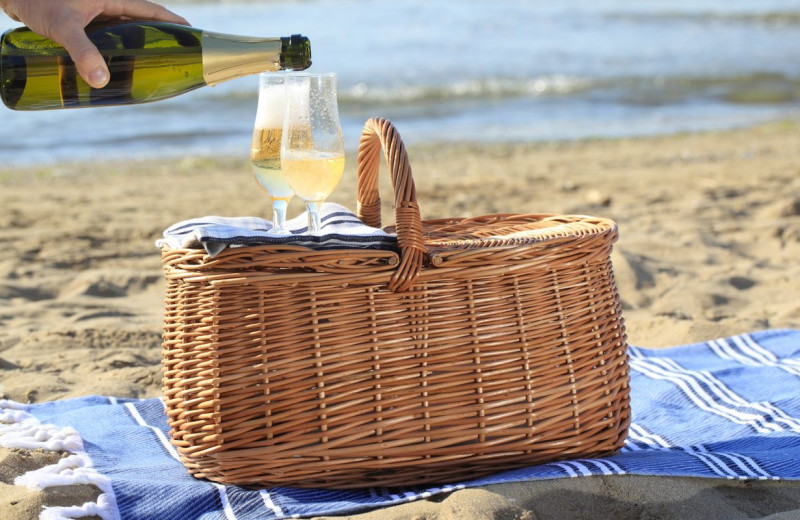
{"x": 709, "y": 246}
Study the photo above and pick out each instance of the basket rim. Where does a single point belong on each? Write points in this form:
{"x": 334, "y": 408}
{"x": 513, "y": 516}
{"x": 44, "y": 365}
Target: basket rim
{"x": 562, "y": 228}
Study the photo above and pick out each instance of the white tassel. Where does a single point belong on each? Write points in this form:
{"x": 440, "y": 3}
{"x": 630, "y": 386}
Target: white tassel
{"x": 12, "y": 405}
{"x": 28, "y": 433}
{"x": 75, "y": 469}
{"x": 102, "y": 508}
{"x": 20, "y": 429}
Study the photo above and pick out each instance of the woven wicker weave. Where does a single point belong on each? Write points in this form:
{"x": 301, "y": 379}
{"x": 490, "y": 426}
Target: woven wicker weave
{"x": 487, "y": 344}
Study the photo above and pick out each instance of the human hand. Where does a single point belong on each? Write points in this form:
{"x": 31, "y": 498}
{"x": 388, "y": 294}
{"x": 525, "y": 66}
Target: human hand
{"x": 64, "y": 20}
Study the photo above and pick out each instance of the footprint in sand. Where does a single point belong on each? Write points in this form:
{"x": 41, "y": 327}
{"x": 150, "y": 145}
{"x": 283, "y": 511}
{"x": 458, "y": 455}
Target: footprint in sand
{"x": 633, "y": 273}
{"x": 742, "y": 283}
{"x": 110, "y": 284}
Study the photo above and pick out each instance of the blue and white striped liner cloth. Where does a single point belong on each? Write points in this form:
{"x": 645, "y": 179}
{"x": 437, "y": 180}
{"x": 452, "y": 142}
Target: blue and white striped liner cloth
{"x": 340, "y": 228}
{"x": 727, "y": 409}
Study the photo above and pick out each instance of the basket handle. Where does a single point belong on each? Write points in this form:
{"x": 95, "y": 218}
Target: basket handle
{"x": 377, "y": 133}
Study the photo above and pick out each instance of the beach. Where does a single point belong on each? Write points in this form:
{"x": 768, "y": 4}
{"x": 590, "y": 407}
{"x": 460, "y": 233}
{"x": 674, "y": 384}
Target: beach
{"x": 709, "y": 227}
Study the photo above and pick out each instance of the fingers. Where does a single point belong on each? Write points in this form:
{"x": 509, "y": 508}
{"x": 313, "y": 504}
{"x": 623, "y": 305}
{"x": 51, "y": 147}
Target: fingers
{"x": 90, "y": 64}
{"x": 141, "y": 9}
{"x": 64, "y": 22}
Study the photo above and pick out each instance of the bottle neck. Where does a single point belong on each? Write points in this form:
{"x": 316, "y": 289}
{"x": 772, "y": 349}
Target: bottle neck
{"x": 226, "y": 57}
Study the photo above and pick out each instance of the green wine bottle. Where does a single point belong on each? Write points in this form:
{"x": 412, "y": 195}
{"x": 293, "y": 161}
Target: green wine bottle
{"x": 148, "y": 61}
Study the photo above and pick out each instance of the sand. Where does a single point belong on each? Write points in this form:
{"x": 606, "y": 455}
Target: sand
{"x": 709, "y": 246}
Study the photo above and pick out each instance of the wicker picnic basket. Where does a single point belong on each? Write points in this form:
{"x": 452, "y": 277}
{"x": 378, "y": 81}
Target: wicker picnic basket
{"x": 486, "y": 344}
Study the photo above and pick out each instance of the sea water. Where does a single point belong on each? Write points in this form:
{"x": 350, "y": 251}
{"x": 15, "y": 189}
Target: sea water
{"x": 467, "y": 70}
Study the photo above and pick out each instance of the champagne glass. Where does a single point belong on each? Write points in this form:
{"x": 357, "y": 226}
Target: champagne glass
{"x": 265, "y": 151}
{"x": 312, "y": 148}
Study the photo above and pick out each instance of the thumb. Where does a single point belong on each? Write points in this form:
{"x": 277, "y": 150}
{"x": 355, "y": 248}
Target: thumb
{"x": 90, "y": 64}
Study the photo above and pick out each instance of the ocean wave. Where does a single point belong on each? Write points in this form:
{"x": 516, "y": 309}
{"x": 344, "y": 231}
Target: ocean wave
{"x": 757, "y": 88}
{"x": 758, "y": 18}
{"x": 484, "y": 88}
{"x": 753, "y": 88}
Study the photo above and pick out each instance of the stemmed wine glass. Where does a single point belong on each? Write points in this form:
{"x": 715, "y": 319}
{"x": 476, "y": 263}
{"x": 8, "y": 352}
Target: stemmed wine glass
{"x": 265, "y": 151}
{"x": 312, "y": 147}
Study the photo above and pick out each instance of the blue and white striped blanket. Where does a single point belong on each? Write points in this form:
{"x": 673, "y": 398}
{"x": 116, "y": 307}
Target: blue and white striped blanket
{"x": 727, "y": 408}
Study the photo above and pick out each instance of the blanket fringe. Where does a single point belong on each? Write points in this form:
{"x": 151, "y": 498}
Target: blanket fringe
{"x": 20, "y": 429}
{"x": 102, "y": 508}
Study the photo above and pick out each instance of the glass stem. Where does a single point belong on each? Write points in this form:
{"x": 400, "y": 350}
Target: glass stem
{"x": 314, "y": 221}
{"x": 279, "y": 215}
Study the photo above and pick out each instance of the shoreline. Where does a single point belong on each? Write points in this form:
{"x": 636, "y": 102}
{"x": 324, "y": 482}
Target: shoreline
{"x": 791, "y": 117}
{"x": 709, "y": 244}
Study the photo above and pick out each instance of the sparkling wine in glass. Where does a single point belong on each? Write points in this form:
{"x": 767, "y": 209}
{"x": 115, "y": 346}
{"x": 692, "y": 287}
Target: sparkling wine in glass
{"x": 312, "y": 147}
{"x": 265, "y": 151}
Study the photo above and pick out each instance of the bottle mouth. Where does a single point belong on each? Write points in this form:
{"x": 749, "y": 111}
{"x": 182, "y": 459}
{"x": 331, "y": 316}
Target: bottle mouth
{"x": 295, "y": 52}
